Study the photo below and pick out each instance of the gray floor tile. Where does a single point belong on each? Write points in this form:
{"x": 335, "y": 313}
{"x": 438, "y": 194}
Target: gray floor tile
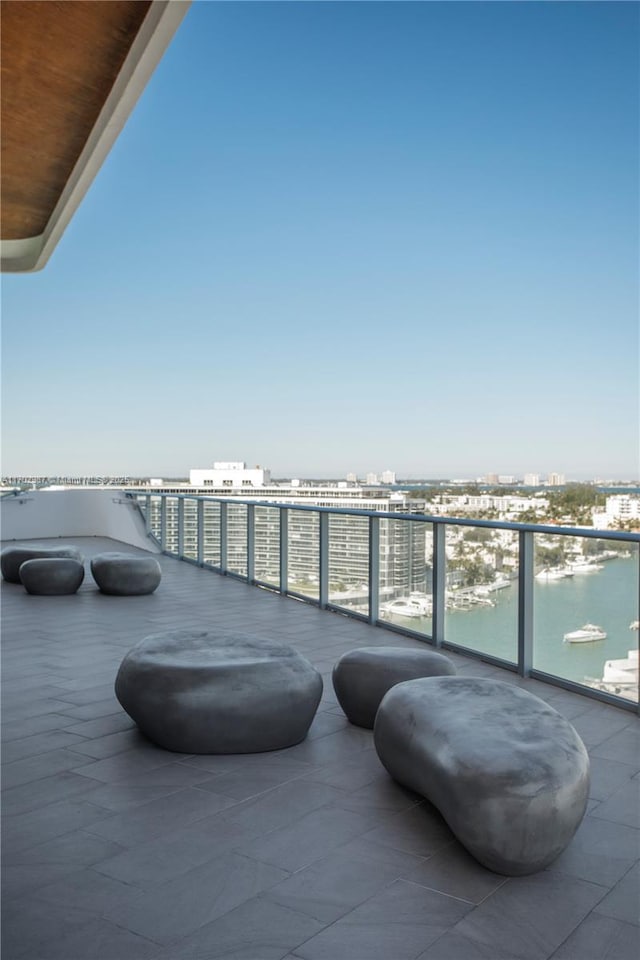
{"x": 454, "y": 871}
{"x": 399, "y": 922}
{"x": 623, "y": 903}
{"x": 528, "y": 918}
{"x": 601, "y": 851}
{"x": 420, "y": 830}
{"x": 601, "y": 938}
{"x": 259, "y": 929}
{"x": 607, "y": 776}
{"x": 623, "y": 805}
{"x": 177, "y": 908}
{"x": 89, "y": 891}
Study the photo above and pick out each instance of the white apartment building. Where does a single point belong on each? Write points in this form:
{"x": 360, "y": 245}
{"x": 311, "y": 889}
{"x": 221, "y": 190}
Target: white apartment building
{"x": 531, "y": 480}
{"x": 233, "y": 473}
{"x": 618, "y": 507}
{"x": 556, "y": 480}
{"x": 388, "y": 476}
{"x": 402, "y": 543}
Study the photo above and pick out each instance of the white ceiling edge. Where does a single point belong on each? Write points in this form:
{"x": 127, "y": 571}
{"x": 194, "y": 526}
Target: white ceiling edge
{"x": 163, "y": 19}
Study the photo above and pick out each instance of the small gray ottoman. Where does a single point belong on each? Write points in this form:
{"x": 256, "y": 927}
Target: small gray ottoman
{"x": 507, "y": 772}
{"x": 12, "y": 558}
{"x": 196, "y": 691}
{"x": 126, "y": 574}
{"x": 362, "y": 677}
{"x": 51, "y": 576}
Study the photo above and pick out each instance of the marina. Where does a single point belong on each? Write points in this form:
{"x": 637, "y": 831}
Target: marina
{"x": 608, "y": 598}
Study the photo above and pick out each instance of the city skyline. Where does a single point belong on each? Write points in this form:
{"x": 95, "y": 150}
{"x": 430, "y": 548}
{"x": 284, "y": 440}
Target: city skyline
{"x": 350, "y": 238}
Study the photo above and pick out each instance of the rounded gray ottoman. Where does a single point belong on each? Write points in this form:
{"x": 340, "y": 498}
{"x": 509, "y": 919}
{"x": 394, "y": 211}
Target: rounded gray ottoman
{"x": 202, "y": 691}
{"x": 508, "y": 773}
{"x": 12, "y": 558}
{"x": 125, "y": 574}
{"x": 51, "y": 576}
{"x": 362, "y": 677}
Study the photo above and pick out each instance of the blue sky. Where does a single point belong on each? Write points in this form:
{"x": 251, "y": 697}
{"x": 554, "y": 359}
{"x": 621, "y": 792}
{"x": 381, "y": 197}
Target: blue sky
{"x": 350, "y": 236}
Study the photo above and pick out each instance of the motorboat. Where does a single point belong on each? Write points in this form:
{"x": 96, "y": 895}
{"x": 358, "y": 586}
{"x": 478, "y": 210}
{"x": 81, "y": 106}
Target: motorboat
{"x": 585, "y": 634}
{"x": 407, "y": 607}
{"x": 554, "y": 573}
{"x": 619, "y": 677}
{"x": 634, "y": 625}
{"x": 585, "y": 566}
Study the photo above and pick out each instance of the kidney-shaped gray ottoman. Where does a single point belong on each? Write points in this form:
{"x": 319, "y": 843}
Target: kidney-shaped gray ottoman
{"x": 216, "y": 692}
{"x": 12, "y": 558}
{"x": 507, "y": 772}
{"x": 362, "y": 677}
{"x": 51, "y": 576}
{"x": 126, "y": 574}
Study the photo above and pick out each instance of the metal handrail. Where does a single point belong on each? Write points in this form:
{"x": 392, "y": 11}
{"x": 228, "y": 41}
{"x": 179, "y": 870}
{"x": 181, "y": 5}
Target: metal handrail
{"x": 526, "y": 531}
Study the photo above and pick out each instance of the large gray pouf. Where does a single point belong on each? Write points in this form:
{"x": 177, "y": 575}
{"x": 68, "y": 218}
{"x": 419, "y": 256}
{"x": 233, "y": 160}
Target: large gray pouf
{"x": 506, "y": 771}
{"x": 216, "y": 692}
{"x": 12, "y": 558}
{"x": 51, "y": 576}
{"x": 362, "y": 677}
{"x": 126, "y": 574}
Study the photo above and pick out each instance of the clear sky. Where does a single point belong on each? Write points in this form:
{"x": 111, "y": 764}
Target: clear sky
{"x": 350, "y": 236}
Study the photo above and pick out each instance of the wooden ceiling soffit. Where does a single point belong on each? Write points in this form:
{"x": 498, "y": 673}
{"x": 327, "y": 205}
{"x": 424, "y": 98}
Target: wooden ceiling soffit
{"x": 71, "y": 72}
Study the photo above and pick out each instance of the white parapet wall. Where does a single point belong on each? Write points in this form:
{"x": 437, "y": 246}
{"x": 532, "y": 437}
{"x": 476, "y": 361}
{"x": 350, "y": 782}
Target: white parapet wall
{"x": 72, "y": 512}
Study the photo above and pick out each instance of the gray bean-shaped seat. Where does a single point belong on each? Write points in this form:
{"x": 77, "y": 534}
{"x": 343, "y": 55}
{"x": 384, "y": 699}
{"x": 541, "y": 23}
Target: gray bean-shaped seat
{"x": 507, "y": 772}
{"x": 198, "y": 691}
{"x": 12, "y": 558}
{"x": 51, "y": 576}
{"x": 362, "y": 677}
{"x": 126, "y": 574}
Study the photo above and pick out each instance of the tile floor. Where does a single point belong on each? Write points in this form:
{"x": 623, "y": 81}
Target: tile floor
{"x": 117, "y": 850}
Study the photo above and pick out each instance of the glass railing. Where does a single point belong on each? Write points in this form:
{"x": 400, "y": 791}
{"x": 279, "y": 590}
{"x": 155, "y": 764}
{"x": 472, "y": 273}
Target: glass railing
{"x": 557, "y": 603}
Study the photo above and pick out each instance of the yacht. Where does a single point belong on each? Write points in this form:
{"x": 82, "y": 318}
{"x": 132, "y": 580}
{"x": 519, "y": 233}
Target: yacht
{"x": 619, "y": 676}
{"x": 586, "y": 634}
{"x": 407, "y": 607}
{"x": 584, "y": 566}
{"x": 554, "y": 573}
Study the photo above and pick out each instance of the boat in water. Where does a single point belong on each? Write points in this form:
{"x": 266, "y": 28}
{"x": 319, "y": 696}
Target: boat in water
{"x": 407, "y": 607}
{"x": 620, "y": 677}
{"x": 586, "y": 634}
{"x": 548, "y": 574}
{"x": 585, "y": 566}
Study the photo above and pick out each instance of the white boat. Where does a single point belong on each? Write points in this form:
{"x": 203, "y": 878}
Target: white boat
{"x": 407, "y": 607}
{"x": 585, "y": 634}
{"x": 554, "y": 573}
{"x": 585, "y": 566}
{"x": 634, "y": 625}
{"x": 620, "y": 677}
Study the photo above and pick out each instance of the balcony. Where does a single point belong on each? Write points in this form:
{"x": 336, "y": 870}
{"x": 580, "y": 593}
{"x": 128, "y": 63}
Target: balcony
{"x": 114, "y": 848}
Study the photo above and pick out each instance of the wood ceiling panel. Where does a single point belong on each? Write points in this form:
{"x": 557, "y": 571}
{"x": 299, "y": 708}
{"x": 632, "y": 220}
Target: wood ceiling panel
{"x": 60, "y": 59}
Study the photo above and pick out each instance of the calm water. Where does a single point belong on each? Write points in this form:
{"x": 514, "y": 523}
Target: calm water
{"x": 608, "y": 598}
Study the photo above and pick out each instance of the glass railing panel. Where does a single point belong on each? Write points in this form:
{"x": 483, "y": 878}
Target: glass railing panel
{"x": 303, "y": 550}
{"x": 349, "y": 563}
{"x": 211, "y": 533}
{"x": 190, "y": 529}
{"x": 405, "y": 581}
{"x": 171, "y": 543}
{"x": 237, "y": 538}
{"x": 267, "y": 545}
{"x": 155, "y": 508}
{"x": 481, "y": 590}
{"x": 586, "y": 612}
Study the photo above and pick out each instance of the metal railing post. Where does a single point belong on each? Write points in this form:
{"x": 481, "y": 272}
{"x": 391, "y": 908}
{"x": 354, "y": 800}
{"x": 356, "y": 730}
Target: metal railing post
{"x": 525, "y": 602}
{"x": 284, "y": 550}
{"x": 374, "y": 569}
{"x": 323, "y": 561}
{"x": 223, "y": 536}
{"x": 251, "y": 543}
{"x": 439, "y": 582}
{"x": 147, "y": 513}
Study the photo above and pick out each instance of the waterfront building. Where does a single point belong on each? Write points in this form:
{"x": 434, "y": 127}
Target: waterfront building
{"x": 388, "y": 476}
{"x": 531, "y": 480}
{"x": 556, "y": 480}
{"x": 372, "y": 480}
{"x": 352, "y": 478}
{"x": 403, "y": 546}
{"x": 619, "y": 508}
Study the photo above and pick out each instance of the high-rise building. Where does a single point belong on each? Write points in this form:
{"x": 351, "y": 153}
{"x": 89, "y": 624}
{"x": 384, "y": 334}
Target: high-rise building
{"x": 372, "y": 480}
{"x": 388, "y": 476}
{"x": 531, "y": 480}
{"x": 556, "y": 480}
{"x": 403, "y": 544}
{"x": 352, "y": 478}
